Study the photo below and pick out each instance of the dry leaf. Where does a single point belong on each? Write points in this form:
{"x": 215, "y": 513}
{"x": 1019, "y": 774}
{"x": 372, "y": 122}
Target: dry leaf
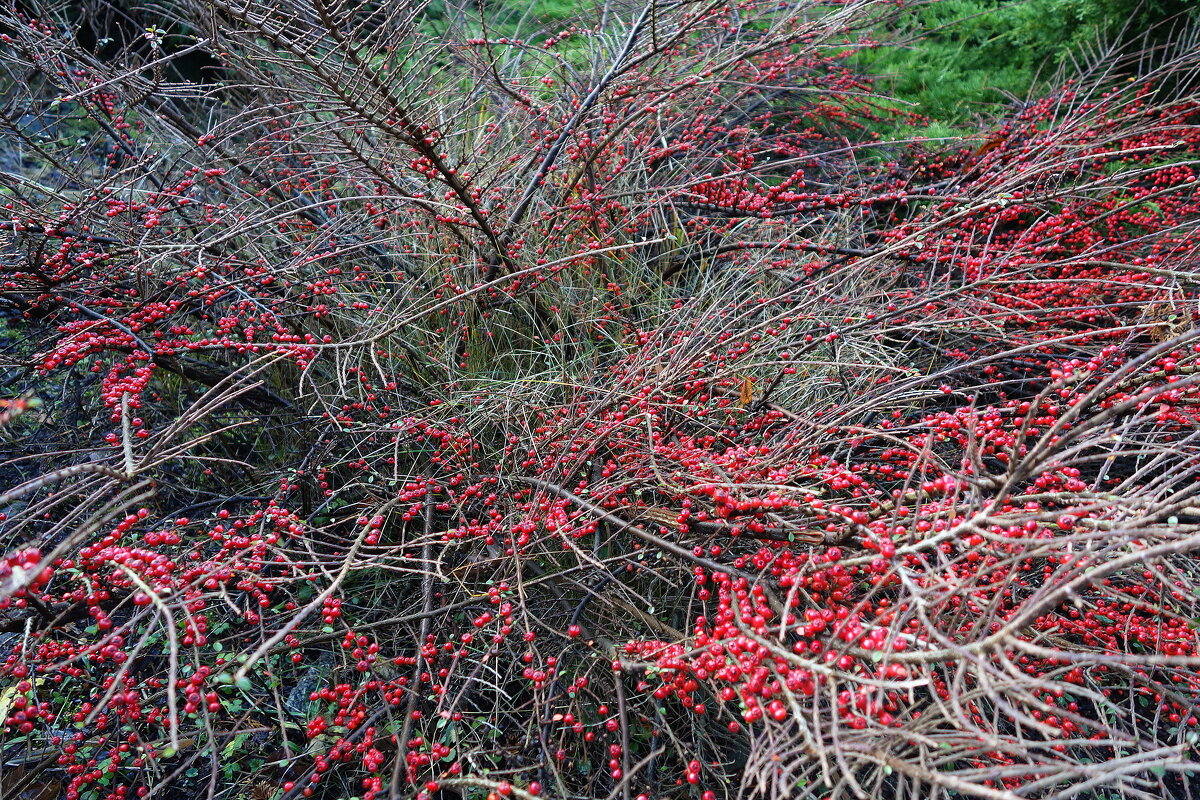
{"x": 746, "y": 396}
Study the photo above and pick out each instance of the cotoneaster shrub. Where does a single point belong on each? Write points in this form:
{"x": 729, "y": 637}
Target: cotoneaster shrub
{"x": 414, "y": 411}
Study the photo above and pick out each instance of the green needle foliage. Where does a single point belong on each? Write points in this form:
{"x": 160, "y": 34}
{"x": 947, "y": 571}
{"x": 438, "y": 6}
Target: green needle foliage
{"x": 967, "y": 57}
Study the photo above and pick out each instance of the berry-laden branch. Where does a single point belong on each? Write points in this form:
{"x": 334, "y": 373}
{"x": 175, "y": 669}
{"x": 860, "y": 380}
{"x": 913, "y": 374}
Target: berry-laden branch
{"x": 436, "y": 400}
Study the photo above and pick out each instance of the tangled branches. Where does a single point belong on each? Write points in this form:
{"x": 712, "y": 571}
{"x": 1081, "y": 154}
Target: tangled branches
{"x": 409, "y": 405}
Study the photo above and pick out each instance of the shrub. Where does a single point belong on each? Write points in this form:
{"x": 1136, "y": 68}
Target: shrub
{"x": 961, "y": 59}
{"x": 609, "y": 413}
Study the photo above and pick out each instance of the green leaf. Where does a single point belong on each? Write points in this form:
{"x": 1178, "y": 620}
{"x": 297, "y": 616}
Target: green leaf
{"x": 234, "y": 745}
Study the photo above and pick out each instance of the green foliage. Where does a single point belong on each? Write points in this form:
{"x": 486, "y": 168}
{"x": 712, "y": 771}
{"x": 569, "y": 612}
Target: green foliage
{"x": 520, "y": 18}
{"x": 964, "y": 57}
